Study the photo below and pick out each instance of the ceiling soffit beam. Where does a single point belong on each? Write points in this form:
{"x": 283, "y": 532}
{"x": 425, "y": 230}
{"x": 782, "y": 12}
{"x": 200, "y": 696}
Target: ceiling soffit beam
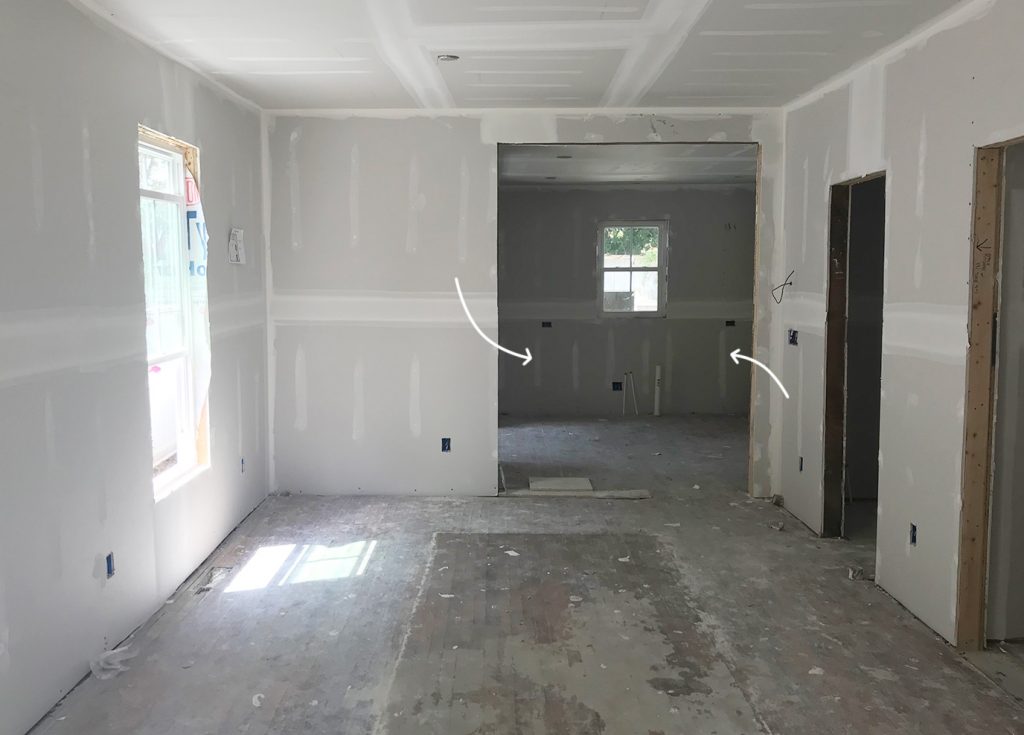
{"x": 410, "y": 62}
{"x": 647, "y": 60}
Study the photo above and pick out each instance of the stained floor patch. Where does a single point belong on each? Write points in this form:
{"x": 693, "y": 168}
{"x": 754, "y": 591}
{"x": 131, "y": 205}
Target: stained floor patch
{"x": 574, "y": 634}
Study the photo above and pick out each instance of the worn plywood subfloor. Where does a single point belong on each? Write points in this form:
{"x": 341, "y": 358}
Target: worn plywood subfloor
{"x": 541, "y": 633}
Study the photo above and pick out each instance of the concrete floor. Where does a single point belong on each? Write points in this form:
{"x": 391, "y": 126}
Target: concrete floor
{"x": 686, "y": 613}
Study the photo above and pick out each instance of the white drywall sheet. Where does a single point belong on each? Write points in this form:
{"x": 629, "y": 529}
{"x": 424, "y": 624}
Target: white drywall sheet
{"x": 372, "y": 219}
{"x": 74, "y": 424}
{"x": 916, "y": 112}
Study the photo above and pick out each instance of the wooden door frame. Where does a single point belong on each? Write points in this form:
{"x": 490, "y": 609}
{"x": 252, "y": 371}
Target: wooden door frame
{"x": 837, "y": 293}
{"x": 836, "y": 313}
{"x": 979, "y": 400}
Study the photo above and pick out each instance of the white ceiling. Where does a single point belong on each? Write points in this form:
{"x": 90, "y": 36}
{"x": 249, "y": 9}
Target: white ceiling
{"x": 650, "y": 163}
{"x": 352, "y": 54}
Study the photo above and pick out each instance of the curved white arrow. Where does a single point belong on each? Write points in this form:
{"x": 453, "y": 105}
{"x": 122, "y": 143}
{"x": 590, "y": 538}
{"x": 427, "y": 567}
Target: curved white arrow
{"x": 525, "y": 358}
{"x": 736, "y": 357}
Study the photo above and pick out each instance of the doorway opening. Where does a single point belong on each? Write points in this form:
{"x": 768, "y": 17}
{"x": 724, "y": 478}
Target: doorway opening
{"x": 990, "y": 603}
{"x": 853, "y": 359}
{"x": 628, "y": 271}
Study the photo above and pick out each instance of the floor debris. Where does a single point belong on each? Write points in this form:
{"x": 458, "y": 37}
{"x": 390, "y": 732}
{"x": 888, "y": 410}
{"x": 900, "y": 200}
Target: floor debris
{"x": 257, "y": 700}
{"x": 110, "y": 664}
{"x": 776, "y": 525}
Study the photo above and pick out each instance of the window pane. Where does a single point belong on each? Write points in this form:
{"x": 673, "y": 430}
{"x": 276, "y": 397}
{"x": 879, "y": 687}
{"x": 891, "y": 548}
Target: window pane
{"x": 645, "y": 247}
{"x": 618, "y": 294}
{"x": 616, "y": 247}
{"x": 160, "y": 171}
{"x": 163, "y": 260}
{"x": 625, "y": 247}
{"x": 631, "y": 291}
{"x": 645, "y": 291}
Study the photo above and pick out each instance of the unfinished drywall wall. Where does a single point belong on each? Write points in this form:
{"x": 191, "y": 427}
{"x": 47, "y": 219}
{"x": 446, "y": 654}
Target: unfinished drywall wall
{"x": 864, "y": 277}
{"x": 373, "y": 358}
{"x": 1006, "y": 545}
{"x": 916, "y": 112}
{"x": 74, "y": 424}
{"x": 548, "y": 272}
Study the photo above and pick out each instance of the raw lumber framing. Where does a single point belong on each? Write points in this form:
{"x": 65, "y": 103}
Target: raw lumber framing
{"x": 978, "y": 405}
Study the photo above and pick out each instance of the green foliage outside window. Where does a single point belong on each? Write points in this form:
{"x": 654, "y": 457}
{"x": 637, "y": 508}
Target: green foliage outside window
{"x": 640, "y": 242}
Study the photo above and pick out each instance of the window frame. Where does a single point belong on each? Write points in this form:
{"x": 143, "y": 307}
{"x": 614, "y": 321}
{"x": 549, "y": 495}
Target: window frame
{"x": 198, "y": 459}
{"x": 661, "y": 269}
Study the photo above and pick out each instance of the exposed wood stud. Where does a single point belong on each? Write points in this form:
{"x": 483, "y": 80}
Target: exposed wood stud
{"x": 978, "y": 429}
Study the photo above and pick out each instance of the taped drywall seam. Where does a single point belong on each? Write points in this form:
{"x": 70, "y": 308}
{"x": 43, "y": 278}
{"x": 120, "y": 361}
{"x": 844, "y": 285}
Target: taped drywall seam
{"x": 645, "y": 365}
{"x": 644, "y": 63}
{"x": 266, "y": 123}
{"x": 90, "y": 9}
{"x": 416, "y": 205}
{"x": 609, "y": 357}
{"x": 575, "y": 366}
{"x": 301, "y": 393}
{"x": 463, "y": 233}
{"x": 922, "y": 166}
{"x": 945, "y": 21}
{"x": 87, "y": 191}
{"x": 295, "y": 185}
{"x": 50, "y": 427}
{"x": 723, "y": 351}
{"x": 668, "y": 365}
{"x": 38, "y": 185}
{"x": 503, "y": 113}
{"x": 240, "y": 410}
{"x": 415, "y": 409}
{"x": 353, "y": 197}
{"x": 358, "y": 402}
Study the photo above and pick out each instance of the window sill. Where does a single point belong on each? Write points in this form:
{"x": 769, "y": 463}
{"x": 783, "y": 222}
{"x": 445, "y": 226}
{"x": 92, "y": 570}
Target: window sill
{"x": 167, "y": 483}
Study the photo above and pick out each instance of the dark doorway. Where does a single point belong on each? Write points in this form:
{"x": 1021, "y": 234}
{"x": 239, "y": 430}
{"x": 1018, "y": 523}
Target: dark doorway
{"x": 853, "y": 358}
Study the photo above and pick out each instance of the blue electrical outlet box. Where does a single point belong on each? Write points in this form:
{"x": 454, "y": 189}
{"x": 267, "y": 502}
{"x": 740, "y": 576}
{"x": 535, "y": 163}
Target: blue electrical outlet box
{"x": 110, "y": 565}
{"x": 446, "y": 444}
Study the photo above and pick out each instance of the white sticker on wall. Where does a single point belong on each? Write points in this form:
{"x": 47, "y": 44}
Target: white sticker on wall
{"x": 236, "y": 247}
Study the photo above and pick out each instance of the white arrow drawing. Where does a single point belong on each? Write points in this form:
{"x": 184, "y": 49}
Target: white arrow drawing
{"x": 525, "y": 358}
{"x": 736, "y": 357}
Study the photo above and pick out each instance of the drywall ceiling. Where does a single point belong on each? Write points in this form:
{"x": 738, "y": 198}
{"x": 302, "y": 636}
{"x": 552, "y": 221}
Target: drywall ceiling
{"x": 659, "y": 163}
{"x": 330, "y": 54}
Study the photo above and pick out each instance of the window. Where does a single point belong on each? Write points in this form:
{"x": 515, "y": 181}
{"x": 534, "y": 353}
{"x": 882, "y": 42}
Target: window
{"x": 177, "y": 324}
{"x": 633, "y": 258}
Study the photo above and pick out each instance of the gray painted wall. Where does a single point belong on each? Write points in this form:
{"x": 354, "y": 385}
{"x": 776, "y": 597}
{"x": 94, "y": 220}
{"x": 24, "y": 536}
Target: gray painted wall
{"x": 548, "y": 271}
{"x": 916, "y": 112}
{"x": 865, "y": 274}
{"x": 74, "y": 421}
{"x": 1006, "y": 555}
